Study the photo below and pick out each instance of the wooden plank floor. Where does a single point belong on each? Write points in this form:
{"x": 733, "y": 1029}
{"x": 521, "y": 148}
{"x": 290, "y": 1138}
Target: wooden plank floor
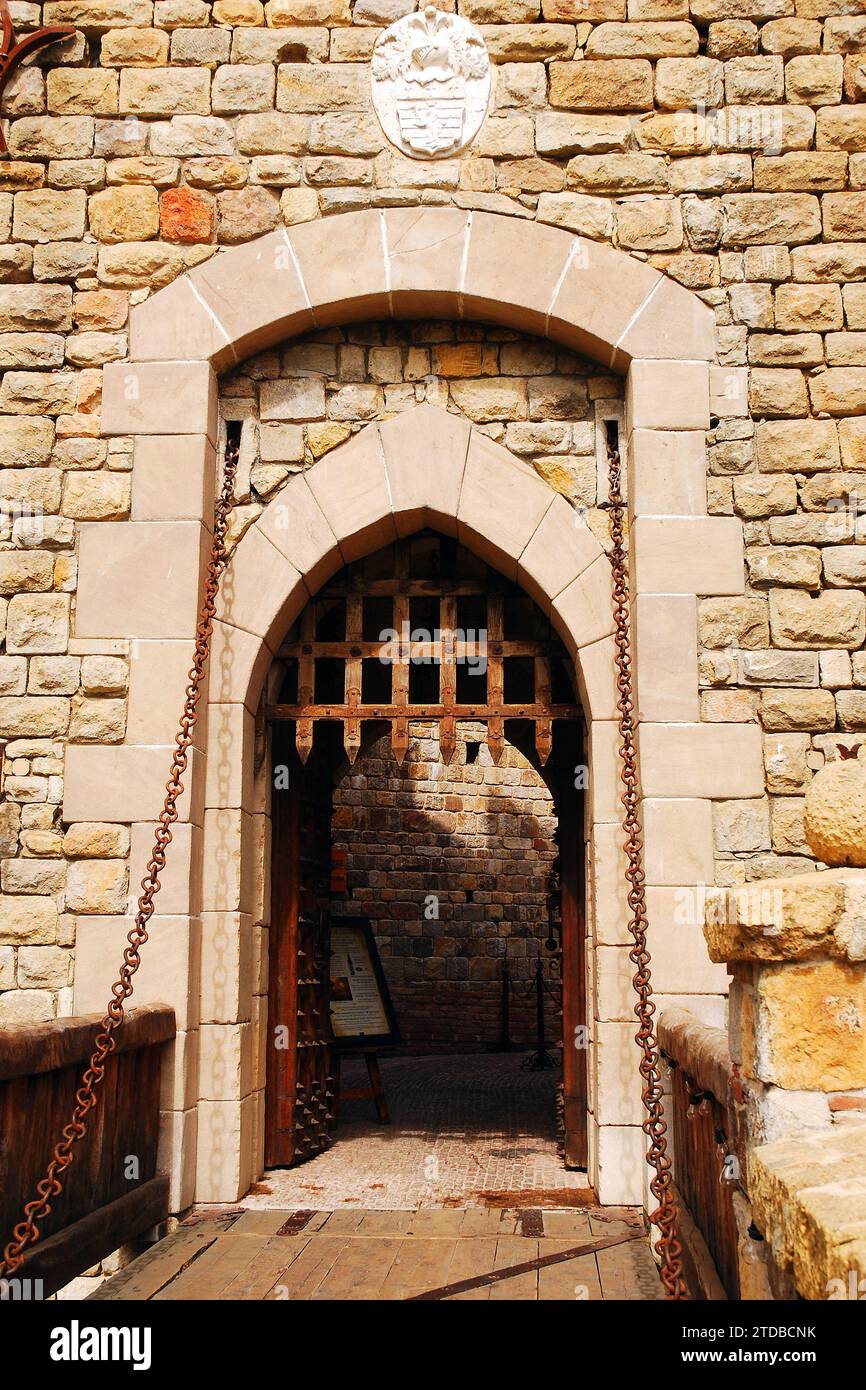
{"x": 394, "y": 1255}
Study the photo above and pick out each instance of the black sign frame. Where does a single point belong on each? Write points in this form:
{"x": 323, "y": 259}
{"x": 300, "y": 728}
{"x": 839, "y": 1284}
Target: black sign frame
{"x": 366, "y": 1041}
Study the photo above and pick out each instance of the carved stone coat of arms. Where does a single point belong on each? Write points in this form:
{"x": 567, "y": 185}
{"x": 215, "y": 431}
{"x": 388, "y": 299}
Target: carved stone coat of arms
{"x": 431, "y": 83}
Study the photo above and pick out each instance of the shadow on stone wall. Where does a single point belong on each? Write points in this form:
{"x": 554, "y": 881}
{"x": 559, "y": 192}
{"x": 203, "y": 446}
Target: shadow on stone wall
{"x": 452, "y": 864}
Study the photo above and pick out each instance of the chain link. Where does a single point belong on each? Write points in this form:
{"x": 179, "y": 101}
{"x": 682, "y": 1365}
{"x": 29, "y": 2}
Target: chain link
{"x": 654, "y": 1127}
{"x": 27, "y": 1232}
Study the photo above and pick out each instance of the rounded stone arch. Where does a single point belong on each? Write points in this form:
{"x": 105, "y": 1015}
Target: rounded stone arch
{"x": 427, "y": 262}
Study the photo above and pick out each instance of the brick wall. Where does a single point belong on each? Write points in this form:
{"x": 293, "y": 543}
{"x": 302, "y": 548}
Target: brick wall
{"x": 452, "y": 865}
{"x": 724, "y": 141}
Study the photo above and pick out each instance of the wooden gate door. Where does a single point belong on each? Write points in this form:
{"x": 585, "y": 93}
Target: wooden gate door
{"x": 300, "y": 1102}
{"x": 570, "y": 814}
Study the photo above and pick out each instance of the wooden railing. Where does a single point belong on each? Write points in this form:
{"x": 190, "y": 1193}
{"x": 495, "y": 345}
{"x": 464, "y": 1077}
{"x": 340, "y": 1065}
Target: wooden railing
{"x": 707, "y": 1133}
{"x": 112, "y": 1192}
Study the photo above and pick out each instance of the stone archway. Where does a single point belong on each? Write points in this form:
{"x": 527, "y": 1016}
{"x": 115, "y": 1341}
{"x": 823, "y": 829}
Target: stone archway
{"x": 139, "y": 581}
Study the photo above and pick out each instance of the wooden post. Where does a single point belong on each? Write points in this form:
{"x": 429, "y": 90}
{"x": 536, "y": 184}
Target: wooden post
{"x": 447, "y": 678}
{"x": 495, "y": 675}
{"x": 306, "y": 682}
{"x": 543, "y": 727}
{"x": 375, "y": 1091}
{"x": 400, "y": 680}
{"x": 354, "y": 633}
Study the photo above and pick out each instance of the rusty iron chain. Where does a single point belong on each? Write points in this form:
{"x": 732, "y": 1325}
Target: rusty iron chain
{"x": 654, "y": 1126}
{"x": 27, "y": 1232}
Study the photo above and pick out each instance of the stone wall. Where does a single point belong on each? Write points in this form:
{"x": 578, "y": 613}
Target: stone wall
{"x": 796, "y": 954}
{"x": 725, "y": 142}
{"x": 542, "y": 402}
{"x": 452, "y": 866}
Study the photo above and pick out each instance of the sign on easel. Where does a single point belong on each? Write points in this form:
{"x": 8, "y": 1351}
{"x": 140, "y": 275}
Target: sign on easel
{"x": 362, "y": 1015}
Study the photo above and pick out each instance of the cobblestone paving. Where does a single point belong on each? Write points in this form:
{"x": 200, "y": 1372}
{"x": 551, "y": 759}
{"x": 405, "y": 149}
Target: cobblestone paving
{"x": 466, "y": 1131}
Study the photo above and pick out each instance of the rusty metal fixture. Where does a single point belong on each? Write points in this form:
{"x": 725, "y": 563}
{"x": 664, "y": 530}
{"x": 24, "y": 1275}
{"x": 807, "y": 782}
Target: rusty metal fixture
{"x": 12, "y": 54}
{"x": 27, "y": 1232}
{"x": 540, "y": 1059}
{"x": 654, "y": 1127}
{"x": 399, "y": 646}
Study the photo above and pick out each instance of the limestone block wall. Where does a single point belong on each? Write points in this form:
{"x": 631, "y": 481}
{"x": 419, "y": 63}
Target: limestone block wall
{"x": 296, "y": 403}
{"x": 796, "y": 952}
{"x": 723, "y": 141}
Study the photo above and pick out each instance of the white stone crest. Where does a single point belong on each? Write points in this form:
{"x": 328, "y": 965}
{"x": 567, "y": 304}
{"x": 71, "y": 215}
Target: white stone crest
{"x": 431, "y": 83}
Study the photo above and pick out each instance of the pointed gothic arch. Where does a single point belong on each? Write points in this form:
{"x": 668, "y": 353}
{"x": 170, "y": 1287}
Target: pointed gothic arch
{"x": 139, "y": 585}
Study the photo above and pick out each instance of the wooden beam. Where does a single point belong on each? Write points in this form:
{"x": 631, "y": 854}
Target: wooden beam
{"x": 414, "y": 588}
{"x": 306, "y": 682}
{"x": 65, "y": 1255}
{"x": 495, "y": 676}
{"x": 417, "y": 652}
{"x": 353, "y": 675}
{"x": 278, "y": 713}
{"x": 543, "y": 727}
{"x": 30, "y": 1049}
{"x": 447, "y": 679}
{"x": 400, "y": 683}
